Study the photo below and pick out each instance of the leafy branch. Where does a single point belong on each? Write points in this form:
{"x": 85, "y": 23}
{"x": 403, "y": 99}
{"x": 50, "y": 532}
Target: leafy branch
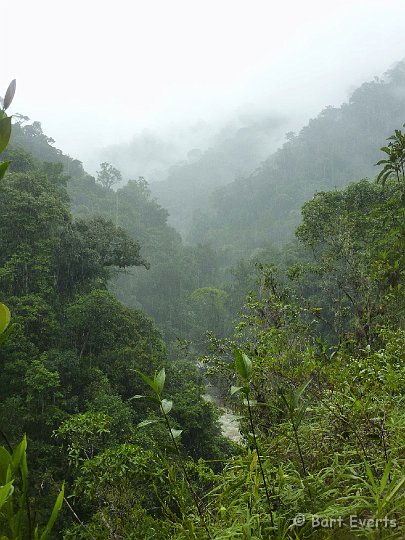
{"x": 243, "y": 366}
{"x": 165, "y": 406}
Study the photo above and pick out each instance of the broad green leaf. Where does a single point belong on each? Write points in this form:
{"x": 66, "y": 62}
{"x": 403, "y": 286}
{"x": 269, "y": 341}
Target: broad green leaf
{"x": 5, "y": 462}
{"x": 5, "y": 458}
{"x": 3, "y": 168}
{"x": 5, "y": 492}
{"x": 243, "y": 365}
{"x": 9, "y": 474}
{"x": 236, "y": 389}
{"x": 147, "y": 380}
{"x": 166, "y": 405}
{"x": 24, "y": 467}
{"x": 148, "y": 422}
{"x": 18, "y": 454}
{"x": 153, "y": 399}
{"x": 8, "y": 98}
{"x": 176, "y": 433}
{"x": 5, "y": 317}
{"x": 5, "y": 132}
{"x": 54, "y": 515}
{"x": 160, "y": 380}
{"x": 4, "y": 335}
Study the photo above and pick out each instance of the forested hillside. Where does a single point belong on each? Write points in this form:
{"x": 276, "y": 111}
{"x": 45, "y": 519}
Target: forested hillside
{"x": 174, "y": 272}
{"x": 105, "y": 357}
{"x": 340, "y": 145}
{"x": 235, "y": 151}
{"x": 68, "y": 363}
{"x": 250, "y": 218}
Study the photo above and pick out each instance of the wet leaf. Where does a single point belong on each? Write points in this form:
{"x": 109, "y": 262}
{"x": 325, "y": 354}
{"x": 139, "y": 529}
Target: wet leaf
{"x": 166, "y": 405}
{"x": 8, "y": 98}
{"x": 160, "y": 380}
{"x": 5, "y": 317}
{"x": 147, "y": 380}
{"x": 3, "y": 168}
{"x": 243, "y": 365}
{"x": 5, "y": 132}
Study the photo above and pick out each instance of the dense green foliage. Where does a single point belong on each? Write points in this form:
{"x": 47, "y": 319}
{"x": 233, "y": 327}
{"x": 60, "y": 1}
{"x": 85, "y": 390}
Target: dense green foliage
{"x": 164, "y": 287}
{"x": 67, "y": 368}
{"x": 15, "y": 511}
{"x": 314, "y": 365}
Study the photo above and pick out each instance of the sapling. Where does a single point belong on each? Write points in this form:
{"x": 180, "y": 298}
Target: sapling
{"x": 243, "y": 367}
{"x": 165, "y": 406}
{"x": 296, "y": 409}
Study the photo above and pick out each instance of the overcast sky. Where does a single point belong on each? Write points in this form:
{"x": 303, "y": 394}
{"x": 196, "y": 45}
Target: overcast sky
{"x": 97, "y": 72}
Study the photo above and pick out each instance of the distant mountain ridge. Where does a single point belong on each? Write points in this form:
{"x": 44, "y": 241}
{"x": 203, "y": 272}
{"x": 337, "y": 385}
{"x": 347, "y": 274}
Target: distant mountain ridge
{"x": 214, "y": 198}
{"x": 332, "y": 150}
{"x": 235, "y": 151}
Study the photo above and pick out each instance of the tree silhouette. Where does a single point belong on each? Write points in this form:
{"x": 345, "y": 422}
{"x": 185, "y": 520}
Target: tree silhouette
{"x": 108, "y": 175}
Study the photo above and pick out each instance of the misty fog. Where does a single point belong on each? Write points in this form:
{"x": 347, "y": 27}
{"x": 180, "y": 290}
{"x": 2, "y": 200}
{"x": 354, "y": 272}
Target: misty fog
{"x": 202, "y": 270}
{"x": 164, "y": 68}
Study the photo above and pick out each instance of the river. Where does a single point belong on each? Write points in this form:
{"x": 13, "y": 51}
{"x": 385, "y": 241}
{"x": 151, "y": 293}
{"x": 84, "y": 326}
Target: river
{"x": 229, "y": 420}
